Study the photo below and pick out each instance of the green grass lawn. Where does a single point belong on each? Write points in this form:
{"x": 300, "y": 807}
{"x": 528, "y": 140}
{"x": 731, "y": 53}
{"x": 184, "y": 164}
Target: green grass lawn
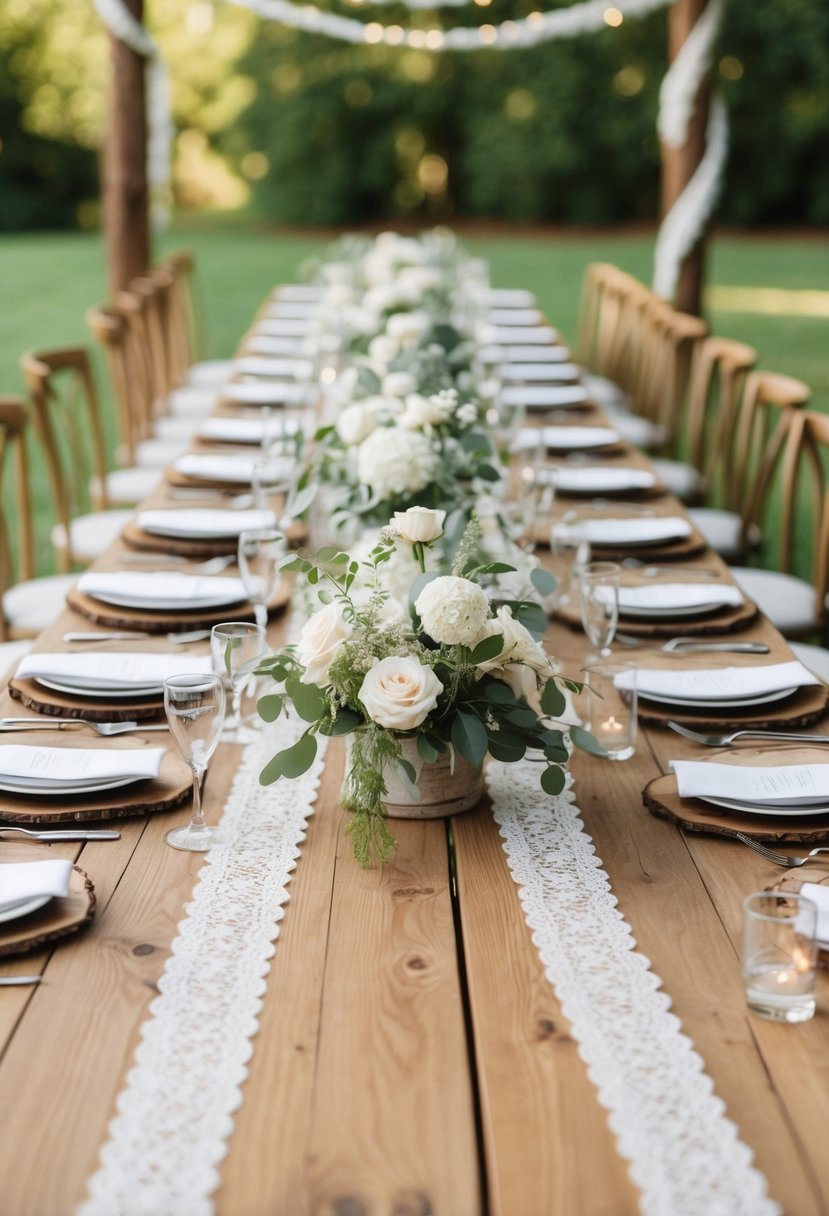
{"x": 51, "y": 280}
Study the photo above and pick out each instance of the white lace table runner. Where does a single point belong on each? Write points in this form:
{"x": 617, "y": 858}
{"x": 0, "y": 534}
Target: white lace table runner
{"x": 685, "y": 1155}
{"x": 175, "y": 1113}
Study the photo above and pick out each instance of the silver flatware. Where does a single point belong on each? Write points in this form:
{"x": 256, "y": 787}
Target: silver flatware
{"x": 213, "y": 565}
{"x": 724, "y": 740}
{"x": 176, "y": 639}
{"x": 649, "y": 571}
{"x": 779, "y": 859}
{"x": 64, "y": 835}
{"x": 105, "y": 729}
{"x": 690, "y": 645}
{"x": 17, "y": 981}
{"x": 624, "y": 508}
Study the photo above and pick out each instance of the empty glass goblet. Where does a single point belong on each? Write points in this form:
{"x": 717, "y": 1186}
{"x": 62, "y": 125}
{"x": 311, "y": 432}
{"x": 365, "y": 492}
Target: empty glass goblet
{"x": 195, "y": 709}
{"x": 271, "y": 479}
{"x": 235, "y": 647}
{"x": 260, "y": 551}
{"x": 569, "y": 555}
{"x": 599, "y": 593}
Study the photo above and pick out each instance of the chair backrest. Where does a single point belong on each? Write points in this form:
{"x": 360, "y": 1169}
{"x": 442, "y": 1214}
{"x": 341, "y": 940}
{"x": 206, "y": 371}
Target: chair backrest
{"x": 14, "y": 421}
{"x": 66, "y": 411}
{"x": 126, "y": 373}
{"x": 184, "y": 328}
{"x": 670, "y": 341}
{"x": 804, "y": 513}
{"x": 765, "y": 417}
{"x": 718, "y": 374}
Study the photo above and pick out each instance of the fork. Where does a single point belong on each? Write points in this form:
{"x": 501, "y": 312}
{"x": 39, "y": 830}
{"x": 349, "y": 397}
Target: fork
{"x": 67, "y": 834}
{"x": 649, "y": 571}
{"x": 175, "y": 639}
{"x": 106, "y": 729}
{"x": 779, "y": 859}
{"x": 213, "y": 565}
{"x": 693, "y": 646}
{"x": 725, "y": 740}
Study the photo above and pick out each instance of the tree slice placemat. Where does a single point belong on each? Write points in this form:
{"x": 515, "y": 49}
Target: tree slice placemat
{"x": 661, "y": 798}
{"x": 115, "y": 617}
{"x": 63, "y": 705}
{"x": 56, "y": 919}
{"x": 179, "y": 546}
{"x": 182, "y": 481}
{"x": 803, "y": 708}
{"x": 727, "y": 620}
{"x": 172, "y": 787}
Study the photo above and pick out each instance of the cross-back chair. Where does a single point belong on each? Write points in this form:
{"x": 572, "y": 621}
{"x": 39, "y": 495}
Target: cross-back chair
{"x": 185, "y": 327}
{"x": 29, "y": 604}
{"x": 68, "y": 424}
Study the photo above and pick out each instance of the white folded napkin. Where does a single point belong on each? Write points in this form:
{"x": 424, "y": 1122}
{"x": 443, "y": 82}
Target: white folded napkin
{"x": 494, "y": 353}
{"x": 545, "y": 372}
{"x": 295, "y": 310}
{"x": 264, "y": 365}
{"x": 777, "y": 785}
{"x": 515, "y": 316}
{"x": 232, "y": 469}
{"x": 265, "y": 344}
{"x": 190, "y": 522}
{"x": 515, "y": 335}
{"x": 59, "y": 766}
{"x": 666, "y": 596}
{"x": 264, "y": 392}
{"x": 719, "y": 683}
{"x": 600, "y": 479}
{"x": 298, "y": 291}
{"x": 544, "y": 396}
{"x": 283, "y": 327}
{"x": 627, "y": 530}
{"x": 183, "y": 590}
{"x": 569, "y": 438}
{"x": 119, "y": 670}
{"x": 820, "y": 896}
{"x": 224, "y": 429}
{"x": 25, "y": 880}
{"x": 511, "y": 297}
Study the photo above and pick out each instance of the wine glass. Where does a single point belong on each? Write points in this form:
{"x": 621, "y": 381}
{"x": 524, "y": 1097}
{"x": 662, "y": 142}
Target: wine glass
{"x": 599, "y": 593}
{"x": 195, "y": 709}
{"x": 569, "y": 555}
{"x": 235, "y": 646}
{"x": 272, "y": 477}
{"x": 260, "y": 552}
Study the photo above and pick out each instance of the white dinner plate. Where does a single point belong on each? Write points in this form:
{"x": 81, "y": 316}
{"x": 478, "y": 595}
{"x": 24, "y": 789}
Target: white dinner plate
{"x": 545, "y": 396}
{"x": 576, "y": 438}
{"x": 24, "y": 907}
{"x": 161, "y": 604}
{"x": 765, "y": 698}
{"x": 683, "y": 610}
{"x": 756, "y": 808}
{"x": 113, "y": 694}
{"x": 60, "y": 789}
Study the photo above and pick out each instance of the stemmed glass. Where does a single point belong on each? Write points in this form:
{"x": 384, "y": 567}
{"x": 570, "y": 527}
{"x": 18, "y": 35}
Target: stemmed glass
{"x": 570, "y": 555}
{"x": 260, "y": 551}
{"x": 235, "y": 647}
{"x": 195, "y": 709}
{"x": 599, "y": 590}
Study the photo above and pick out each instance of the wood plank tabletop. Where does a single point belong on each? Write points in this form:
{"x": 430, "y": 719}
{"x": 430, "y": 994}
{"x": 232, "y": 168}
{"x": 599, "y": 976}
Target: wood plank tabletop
{"x": 412, "y": 1059}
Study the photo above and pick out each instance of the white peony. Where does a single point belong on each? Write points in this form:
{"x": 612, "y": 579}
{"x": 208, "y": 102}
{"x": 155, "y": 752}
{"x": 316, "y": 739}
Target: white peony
{"x": 356, "y": 422}
{"x": 407, "y": 327}
{"x": 419, "y": 524}
{"x": 453, "y": 610}
{"x": 398, "y": 384}
{"x": 399, "y": 692}
{"x": 319, "y": 642}
{"x": 422, "y": 412}
{"x": 394, "y": 462}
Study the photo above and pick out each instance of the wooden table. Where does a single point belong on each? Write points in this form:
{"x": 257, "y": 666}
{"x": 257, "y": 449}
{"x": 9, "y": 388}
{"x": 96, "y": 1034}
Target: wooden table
{"x": 412, "y": 1059}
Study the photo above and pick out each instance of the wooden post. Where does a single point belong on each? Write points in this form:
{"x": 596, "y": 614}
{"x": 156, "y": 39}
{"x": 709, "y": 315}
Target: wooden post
{"x": 126, "y": 204}
{"x": 679, "y": 164}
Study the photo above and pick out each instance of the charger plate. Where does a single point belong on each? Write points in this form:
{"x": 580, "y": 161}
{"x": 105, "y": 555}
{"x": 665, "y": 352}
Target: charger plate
{"x": 196, "y": 550}
{"x": 172, "y": 787}
{"x": 725, "y": 620}
{"x": 91, "y": 707}
{"x": 55, "y": 919}
{"x": 805, "y": 707}
{"x": 662, "y": 799}
{"x": 148, "y": 621}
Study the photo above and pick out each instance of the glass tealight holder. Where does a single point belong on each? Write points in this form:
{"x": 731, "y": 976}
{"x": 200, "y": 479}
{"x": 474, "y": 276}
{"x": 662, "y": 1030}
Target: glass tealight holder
{"x": 610, "y": 691}
{"x": 779, "y": 955}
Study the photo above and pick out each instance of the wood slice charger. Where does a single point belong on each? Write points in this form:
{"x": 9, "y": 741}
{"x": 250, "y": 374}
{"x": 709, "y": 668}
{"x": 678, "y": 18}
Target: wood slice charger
{"x": 55, "y": 919}
{"x": 94, "y": 707}
{"x": 180, "y": 546}
{"x": 803, "y": 708}
{"x": 662, "y": 799}
{"x": 146, "y": 621}
{"x": 172, "y": 787}
{"x": 725, "y": 620}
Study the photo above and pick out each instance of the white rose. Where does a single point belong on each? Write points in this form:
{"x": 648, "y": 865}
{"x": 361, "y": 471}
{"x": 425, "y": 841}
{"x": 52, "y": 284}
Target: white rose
{"x": 419, "y": 279}
{"x": 319, "y": 642}
{"x": 355, "y": 423}
{"x": 398, "y": 384}
{"x": 421, "y": 412}
{"x": 520, "y": 647}
{"x": 407, "y": 327}
{"x": 453, "y": 610}
{"x": 393, "y": 462}
{"x": 419, "y": 524}
{"x": 383, "y": 349}
{"x": 399, "y": 692}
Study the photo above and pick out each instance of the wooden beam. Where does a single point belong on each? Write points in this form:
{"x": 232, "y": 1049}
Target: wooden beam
{"x": 680, "y": 164}
{"x": 126, "y": 218}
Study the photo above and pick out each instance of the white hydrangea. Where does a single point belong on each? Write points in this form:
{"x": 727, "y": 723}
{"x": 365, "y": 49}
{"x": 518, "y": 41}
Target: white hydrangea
{"x": 394, "y": 462}
{"x": 422, "y": 412}
{"x": 453, "y": 610}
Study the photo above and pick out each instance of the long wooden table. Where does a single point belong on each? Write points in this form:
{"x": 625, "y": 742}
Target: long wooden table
{"x": 412, "y": 1058}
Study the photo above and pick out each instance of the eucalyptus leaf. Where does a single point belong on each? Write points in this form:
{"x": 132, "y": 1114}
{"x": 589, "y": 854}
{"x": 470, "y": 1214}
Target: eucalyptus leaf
{"x": 584, "y": 740}
{"x": 426, "y": 750}
{"x": 408, "y": 778}
{"x": 505, "y": 746}
{"x": 301, "y": 500}
{"x": 345, "y": 722}
{"x": 469, "y": 736}
{"x": 501, "y": 694}
{"x": 488, "y": 649}
{"x": 292, "y": 762}
{"x": 553, "y": 780}
{"x": 307, "y": 699}
{"x": 544, "y": 581}
{"x": 553, "y": 701}
{"x": 270, "y": 707}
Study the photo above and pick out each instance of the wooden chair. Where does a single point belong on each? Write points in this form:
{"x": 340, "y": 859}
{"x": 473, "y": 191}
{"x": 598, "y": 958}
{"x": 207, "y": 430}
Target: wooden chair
{"x": 65, "y": 410}
{"x": 186, "y": 330}
{"x": 29, "y": 604}
{"x": 771, "y": 446}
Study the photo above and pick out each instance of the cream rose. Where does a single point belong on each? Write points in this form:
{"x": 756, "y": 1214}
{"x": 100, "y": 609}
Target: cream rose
{"x": 355, "y": 423}
{"x": 398, "y": 384}
{"x": 418, "y": 524}
{"x": 319, "y": 642}
{"x": 422, "y": 412}
{"x": 383, "y": 349}
{"x": 453, "y": 610}
{"x": 519, "y": 644}
{"x": 399, "y": 692}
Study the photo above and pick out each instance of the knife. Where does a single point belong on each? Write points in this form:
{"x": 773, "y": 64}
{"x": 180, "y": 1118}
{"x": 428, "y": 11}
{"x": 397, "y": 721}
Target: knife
{"x": 15, "y": 981}
{"x": 66, "y": 834}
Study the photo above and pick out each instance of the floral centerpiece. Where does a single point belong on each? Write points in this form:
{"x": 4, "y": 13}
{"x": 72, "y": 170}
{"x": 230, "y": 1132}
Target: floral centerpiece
{"x": 458, "y": 678}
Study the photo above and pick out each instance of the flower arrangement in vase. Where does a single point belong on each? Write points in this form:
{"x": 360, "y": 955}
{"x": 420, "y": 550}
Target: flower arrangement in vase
{"x": 446, "y": 683}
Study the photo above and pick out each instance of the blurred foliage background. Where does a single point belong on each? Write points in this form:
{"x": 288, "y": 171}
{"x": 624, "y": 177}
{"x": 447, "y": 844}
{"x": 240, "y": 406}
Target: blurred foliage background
{"x": 298, "y": 128}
